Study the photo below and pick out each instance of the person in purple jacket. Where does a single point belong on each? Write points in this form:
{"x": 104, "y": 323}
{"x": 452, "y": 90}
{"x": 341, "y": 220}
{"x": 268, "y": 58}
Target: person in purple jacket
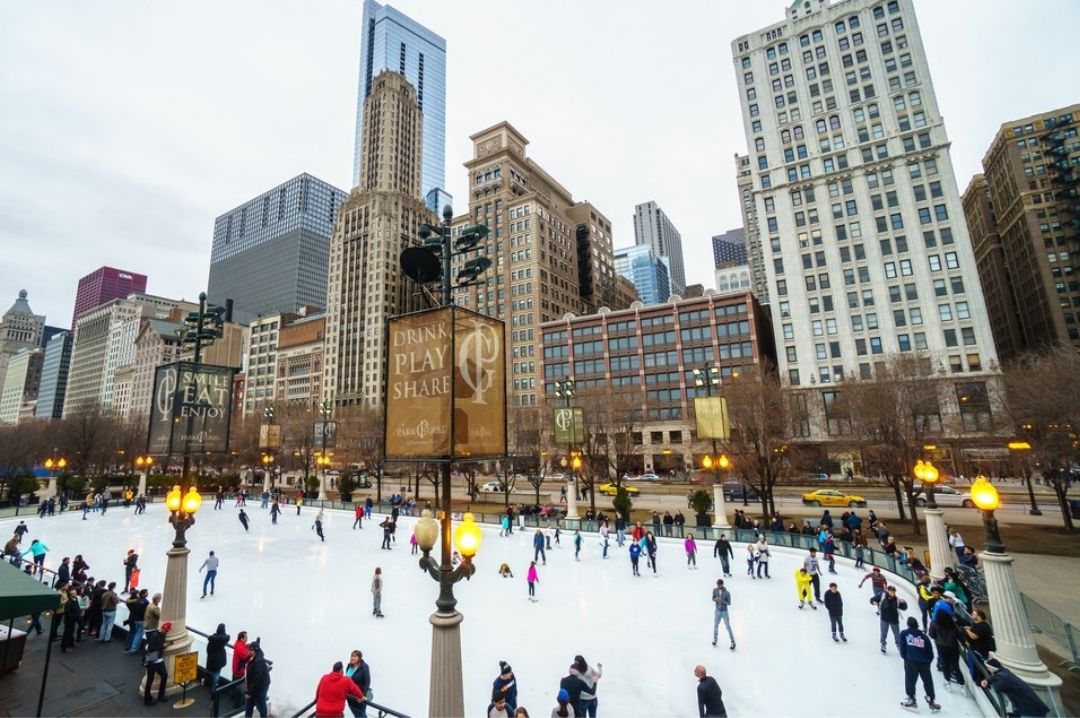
{"x": 917, "y": 650}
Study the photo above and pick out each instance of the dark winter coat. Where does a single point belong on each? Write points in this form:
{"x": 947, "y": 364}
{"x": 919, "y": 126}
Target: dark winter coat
{"x": 890, "y": 608}
{"x": 362, "y": 677}
{"x": 511, "y": 692}
{"x": 215, "y": 649}
{"x": 944, "y": 637}
{"x": 1025, "y": 701}
{"x": 574, "y": 685}
{"x": 710, "y": 699}
{"x": 258, "y": 675}
{"x": 723, "y": 548}
{"x": 834, "y": 603}
{"x": 538, "y": 540}
{"x": 63, "y": 574}
{"x": 650, "y": 544}
{"x": 916, "y": 646}
{"x": 635, "y": 551}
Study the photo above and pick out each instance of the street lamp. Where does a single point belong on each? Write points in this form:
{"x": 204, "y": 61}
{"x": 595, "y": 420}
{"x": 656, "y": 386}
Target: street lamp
{"x": 565, "y": 391}
{"x": 706, "y": 377}
{"x": 987, "y": 500}
{"x": 267, "y": 462}
{"x": 55, "y": 466}
{"x": 940, "y": 554}
{"x": 718, "y": 464}
{"x": 327, "y": 410}
{"x": 1021, "y": 448}
{"x": 143, "y": 464}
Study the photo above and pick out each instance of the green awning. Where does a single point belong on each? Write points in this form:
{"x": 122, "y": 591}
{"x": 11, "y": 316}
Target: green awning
{"x": 21, "y": 595}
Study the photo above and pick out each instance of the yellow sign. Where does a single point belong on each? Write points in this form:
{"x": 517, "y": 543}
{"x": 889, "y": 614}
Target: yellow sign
{"x": 712, "y": 418}
{"x": 186, "y": 668}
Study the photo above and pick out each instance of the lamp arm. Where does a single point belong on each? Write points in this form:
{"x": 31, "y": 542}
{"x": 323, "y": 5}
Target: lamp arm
{"x": 430, "y": 565}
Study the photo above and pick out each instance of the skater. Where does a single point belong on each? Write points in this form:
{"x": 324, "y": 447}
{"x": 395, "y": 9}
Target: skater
{"x": 577, "y": 546}
{"x": 650, "y": 549}
{"x": 504, "y": 526}
{"x": 299, "y": 502}
{"x": 532, "y": 578}
{"x": 813, "y": 567}
{"x": 829, "y": 550}
{"x": 154, "y": 660}
{"x": 722, "y": 549}
{"x": 369, "y": 505}
{"x": 504, "y": 570}
{"x": 802, "y": 587}
{"x": 414, "y": 544}
{"x": 376, "y": 592}
{"x": 358, "y": 516}
{"x": 635, "y": 555}
{"x": 1024, "y": 700}
{"x": 318, "y": 525}
{"x": 562, "y": 708}
{"x": 131, "y": 562}
{"x": 710, "y": 698}
{"x": 386, "y": 529}
{"x": 620, "y": 530}
{"x": 690, "y": 546}
{"x": 762, "y": 553}
{"x": 834, "y": 604}
{"x": 889, "y": 609}
{"x": 275, "y": 511}
{"x": 604, "y": 533}
{"x": 219, "y": 499}
{"x": 946, "y": 635}
{"x": 722, "y": 600}
{"x": 590, "y": 677}
{"x": 877, "y": 584}
{"x": 538, "y": 546}
{"x": 243, "y": 519}
{"x": 751, "y": 559}
{"x": 211, "y": 566}
{"x": 39, "y": 550}
{"x": 572, "y": 685}
{"x": 918, "y": 654}
{"x": 505, "y": 686}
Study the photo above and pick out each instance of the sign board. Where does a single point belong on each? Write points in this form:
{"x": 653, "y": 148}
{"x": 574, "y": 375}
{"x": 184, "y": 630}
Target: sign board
{"x": 270, "y": 436}
{"x": 569, "y": 422}
{"x": 190, "y": 408}
{"x": 186, "y": 668}
{"x": 446, "y": 386}
{"x": 712, "y": 417}
{"x": 331, "y": 433}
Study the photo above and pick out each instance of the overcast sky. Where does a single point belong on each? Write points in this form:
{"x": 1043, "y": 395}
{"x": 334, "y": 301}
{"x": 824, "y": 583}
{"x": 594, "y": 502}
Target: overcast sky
{"x": 127, "y": 126}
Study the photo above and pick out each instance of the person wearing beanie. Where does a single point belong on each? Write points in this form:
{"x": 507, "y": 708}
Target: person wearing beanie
{"x": 889, "y": 609}
{"x": 505, "y": 684}
{"x": 563, "y": 709}
{"x": 154, "y": 660}
{"x": 574, "y": 684}
{"x": 917, "y": 650}
{"x": 215, "y": 654}
{"x": 1025, "y": 701}
{"x": 256, "y": 682}
{"x": 332, "y": 691}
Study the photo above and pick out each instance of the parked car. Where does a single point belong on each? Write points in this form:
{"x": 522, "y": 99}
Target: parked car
{"x": 946, "y": 496}
{"x": 555, "y": 477}
{"x": 611, "y": 489}
{"x": 491, "y": 487}
{"x": 643, "y": 477}
{"x": 363, "y": 481}
{"x": 832, "y": 497}
{"x": 733, "y": 491}
{"x": 814, "y": 477}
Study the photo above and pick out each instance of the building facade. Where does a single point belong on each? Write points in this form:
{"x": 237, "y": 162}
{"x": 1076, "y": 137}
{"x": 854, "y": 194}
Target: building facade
{"x": 157, "y": 343}
{"x": 729, "y": 248}
{"x": 754, "y": 255}
{"x": 378, "y": 221}
{"x": 103, "y": 285}
{"x": 1023, "y": 213}
{"x": 54, "y": 375}
{"x": 19, "y": 390}
{"x": 654, "y": 229}
{"x": 269, "y": 255}
{"x": 20, "y": 329}
{"x": 598, "y": 282}
{"x": 300, "y": 357}
{"x": 391, "y": 40}
{"x": 647, "y": 273}
{"x": 646, "y": 355}
{"x": 733, "y": 279}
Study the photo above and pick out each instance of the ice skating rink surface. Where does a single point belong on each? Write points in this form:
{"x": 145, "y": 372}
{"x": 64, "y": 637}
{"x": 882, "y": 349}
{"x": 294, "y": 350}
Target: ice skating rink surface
{"x": 310, "y": 602}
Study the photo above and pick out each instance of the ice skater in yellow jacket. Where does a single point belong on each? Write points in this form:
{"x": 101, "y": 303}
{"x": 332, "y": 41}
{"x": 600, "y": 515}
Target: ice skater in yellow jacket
{"x": 803, "y": 588}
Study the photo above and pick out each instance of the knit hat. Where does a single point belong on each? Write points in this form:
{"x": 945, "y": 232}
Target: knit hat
{"x": 993, "y": 663}
{"x": 564, "y": 696}
{"x": 504, "y": 668}
{"x": 165, "y": 627}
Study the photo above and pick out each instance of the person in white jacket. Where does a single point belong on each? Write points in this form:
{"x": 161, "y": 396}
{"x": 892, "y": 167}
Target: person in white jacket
{"x": 591, "y": 676}
{"x": 762, "y": 552}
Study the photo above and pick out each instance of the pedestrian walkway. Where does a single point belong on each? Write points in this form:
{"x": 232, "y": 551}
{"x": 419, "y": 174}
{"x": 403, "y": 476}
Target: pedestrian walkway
{"x": 1050, "y": 580}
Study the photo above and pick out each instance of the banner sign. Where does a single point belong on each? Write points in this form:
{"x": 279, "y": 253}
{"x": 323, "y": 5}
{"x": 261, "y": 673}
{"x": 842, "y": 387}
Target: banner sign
{"x": 712, "y": 417}
{"x": 569, "y": 425}
{"x": 446, "y": 375}
{"x": 331, "y": 433}
{"x": 190, "y": 409}
{"x": 270, "y": 436}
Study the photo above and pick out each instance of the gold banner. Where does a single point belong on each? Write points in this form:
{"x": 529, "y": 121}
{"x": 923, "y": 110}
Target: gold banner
{"x": 712, "y": 417}
{"x": 270, "y": 436}
{"x": 479, "y": 385}
{"x": 418, "y": 386}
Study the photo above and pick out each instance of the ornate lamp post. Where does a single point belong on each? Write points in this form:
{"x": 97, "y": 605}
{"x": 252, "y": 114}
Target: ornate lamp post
{"x": 706, "y": 377}
{"x": 565, "y": 391}
{"x": 940, "y": 553}
{"x": 327, "y": 410}
{"x": 268, "y": 463}
{"x": 1012, "y": 632}
{"x": 55, "y": 466}
{"x": 322, "y": 460}
{"x": 718, "y": 463}
{"x": 447, "y": 696}
{"x": 142, "y": 465}
{"x": 182, "y": 510}
{"x": 1021, "y": 448}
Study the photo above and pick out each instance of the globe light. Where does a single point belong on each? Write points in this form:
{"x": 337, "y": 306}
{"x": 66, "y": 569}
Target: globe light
{"x": 984, "y": 494}
{"x": 930, "y": 473}
{"x": 724, "y": 461}
{"x": 173, "y": 499}
{"x": 49, "y": 464}
{"x": 706, "y": 463}
{"x": 577, "y": 463}
{"x": 427, "y": 531}
{"x": 467, "y": 536}
{"x": 192, "y": 501}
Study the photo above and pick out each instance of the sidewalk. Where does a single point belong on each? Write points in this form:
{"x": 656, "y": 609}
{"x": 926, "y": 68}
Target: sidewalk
{"x": 1051, "y": 580}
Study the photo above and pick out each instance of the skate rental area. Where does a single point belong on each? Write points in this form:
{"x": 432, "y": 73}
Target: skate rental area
{"x": 310, "y": 603}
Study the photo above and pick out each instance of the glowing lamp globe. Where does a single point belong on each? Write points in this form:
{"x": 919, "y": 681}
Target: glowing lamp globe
{"x": 984, "y": 494}
{"x": 427, "y": 530}
{"x": 930, "y": 473}
{"x": 173, "y": 499}
{"x": 192, "y": 501}
{"x": 724, "y": 461}
{"x": 49, "y": 464}
{"x": 467, "y": 536}
{"x": 577, "y": 463}
{"x": 706, "y": 463}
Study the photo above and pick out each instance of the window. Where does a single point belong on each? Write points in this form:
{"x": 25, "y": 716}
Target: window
{"x": 951, "y": 260}
{"x": 974, "y": 402}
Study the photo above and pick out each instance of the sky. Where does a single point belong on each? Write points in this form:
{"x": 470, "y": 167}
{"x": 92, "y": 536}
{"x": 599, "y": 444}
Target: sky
{"x": 127, "y": 126}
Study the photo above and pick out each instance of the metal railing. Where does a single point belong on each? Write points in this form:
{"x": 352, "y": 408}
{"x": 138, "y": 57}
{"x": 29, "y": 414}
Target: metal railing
{"x": 381, "y": 711}
{"x": 1043, "y": 620}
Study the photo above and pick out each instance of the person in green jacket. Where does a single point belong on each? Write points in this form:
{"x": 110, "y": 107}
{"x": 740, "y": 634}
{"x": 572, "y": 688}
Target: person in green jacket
{"x": 39, "y": 550}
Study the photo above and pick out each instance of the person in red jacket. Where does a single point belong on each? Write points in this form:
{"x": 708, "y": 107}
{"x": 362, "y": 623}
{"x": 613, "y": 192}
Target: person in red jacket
{"x": 241, "y": 656}
{"x": 334, "y": 688}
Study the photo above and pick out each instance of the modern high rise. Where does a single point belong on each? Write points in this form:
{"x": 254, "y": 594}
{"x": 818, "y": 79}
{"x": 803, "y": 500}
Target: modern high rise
{"x": 1023, "y": 213}
{"x": 269, "y": 254}
{"x": 380, "y": 219}
{"x": 54, "y": 375}
{"x": 391, "y": 40}
{"x": 863, "y": 234}
{"x": 729, "y": 248}
{"x": 103, "y": 285}
{"x": 598, "y": 282}
{"x": 19, "y": 390}
{"x": 654, "y": 229}
{"x": 648, "y": 273}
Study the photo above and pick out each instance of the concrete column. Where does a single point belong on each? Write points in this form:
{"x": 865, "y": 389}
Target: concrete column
{"x": 51, "y": 491}
{"x": 446, "y": 697}
{"x": 266, "y": 479}
{"x": 174, "y": 610}
{"x": 322, "y": 488}
{"x": 142, "y": 483}
{"x": 941, "y": 555}
{"x": 571, "y": 499}
{"x": 1012, "y": 632}
{"x": 720, "y": 520}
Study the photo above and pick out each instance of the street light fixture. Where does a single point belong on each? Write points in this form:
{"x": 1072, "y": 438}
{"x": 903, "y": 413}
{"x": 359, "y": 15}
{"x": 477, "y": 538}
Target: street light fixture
{"x": 706, "y": 377}
{"x": 143, "y": 464}
{"x": 55, "y": 466}
{"x": 986, "y": 498}
{"x": 940, "y": 553}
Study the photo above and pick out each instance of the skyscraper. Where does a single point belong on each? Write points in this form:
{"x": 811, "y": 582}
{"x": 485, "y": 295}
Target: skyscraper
{"x": 269, "y": 254}
{"x": 653, "y": 228}
{"x": 648, "y": 273}
{"x": 862, "y": 229}
{"x": 393, "y": 41}
{"x": 1024, "y": 217}
{"x": 20, "y": 329}
{"x": 380, "y": 219}
{"x": 754, "y": 256}
{"x": 103, "y": 285}
{"x": 54, "y": 374}
{"x": 729, "y": 248}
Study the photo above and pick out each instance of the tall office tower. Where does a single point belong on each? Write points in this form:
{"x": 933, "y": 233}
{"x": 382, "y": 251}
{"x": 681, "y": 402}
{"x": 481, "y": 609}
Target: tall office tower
{"x": 19, "y": 390}
{"x": 598, "y": 282}
{"x": 54, "y": 374}
{"x": 157, "y": 343}
{"x": 648, "y": 273}
{"x": 729, "y": 248}
{"x": 20, "y": 329}
{"x": 1023, "y": 213}
{"x": 103, "y": 285}
{"x": 380, "y": 219}
{"x": 754, "y": 255}
{"x": 269, "y": 254}
{"x": 653, "y": 228}
{"x": 394, "y": 41}
{"x": 863, "y": 234}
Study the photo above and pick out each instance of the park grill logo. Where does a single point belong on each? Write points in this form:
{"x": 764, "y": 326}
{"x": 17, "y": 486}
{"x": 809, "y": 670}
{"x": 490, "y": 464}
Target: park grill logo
{"x": 191, "y": 407}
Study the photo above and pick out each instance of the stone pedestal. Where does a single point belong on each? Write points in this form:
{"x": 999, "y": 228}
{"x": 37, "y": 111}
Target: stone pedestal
{"x": 142, "y": 483}
{"x": 446, "y": 693}
{"x": 941, "y": 555}
{"x": 1012, "y": 632}
{"x": 266, "y": 480}
{"x": 322, "y": 488}
{"x": 174, "y": 610}
{"x": 571, "y": 499}
{"x": 51, "y": 491}
{"x": 720, "y": 521}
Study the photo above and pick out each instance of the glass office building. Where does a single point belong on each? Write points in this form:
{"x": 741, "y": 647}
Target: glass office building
{"x": 651, "y": 275}
{"x": 270, "y": 254}
{"x": 393, "y": 41}
{"x": 54, "y": 375}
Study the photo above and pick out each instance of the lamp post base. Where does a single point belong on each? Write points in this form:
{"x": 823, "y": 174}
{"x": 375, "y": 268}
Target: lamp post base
{"x": 142, "y": 483}
{"x": 571, "y": 500}
{"x": 322, "y": 488}
{"x": 941, "y": 555}
{"x": 720, "y": 520}
{"x": 174, "y": 611}
{"x": 446, "y": 697}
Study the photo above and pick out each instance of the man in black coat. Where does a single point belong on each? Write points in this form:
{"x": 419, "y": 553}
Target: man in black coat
{"x": 256, "y": 681}
{"x": 1024, "y": 700}
{"x": 723, "y": 550}
{"x": 709, "y": 696}
{"x": 574, "y": 684}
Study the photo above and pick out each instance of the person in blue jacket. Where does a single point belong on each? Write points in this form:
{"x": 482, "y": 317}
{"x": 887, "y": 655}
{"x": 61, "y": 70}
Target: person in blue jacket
{"x": 506, "y": 685}
{"x": 538, "y": 547}
{"x": 917, "y": 650}
{"x": 635, "y": 555}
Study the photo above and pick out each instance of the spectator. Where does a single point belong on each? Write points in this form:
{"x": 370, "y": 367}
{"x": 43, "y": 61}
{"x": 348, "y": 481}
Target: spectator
{"x": 360, "y": 674}
{"x": 1024, "y": 700}
{"x": 709, "y": 696}
{"x": 257, "y": 683}
{"x": 981, "y": 635}
{"x": 109, "y": 602}
{"x": 240, "y": 657}
{"x": 215, "y": 653}
{"x": 154, "y": 659}
{"x": 332, "y": 691}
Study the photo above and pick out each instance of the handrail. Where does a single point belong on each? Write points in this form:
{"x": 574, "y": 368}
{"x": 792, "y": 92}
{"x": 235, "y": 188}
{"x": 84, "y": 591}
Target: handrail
{"x": 382, "y": 711}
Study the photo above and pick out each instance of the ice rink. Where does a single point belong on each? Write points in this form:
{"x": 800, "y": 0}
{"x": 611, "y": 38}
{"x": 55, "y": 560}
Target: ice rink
{"x": 311, "y": 604}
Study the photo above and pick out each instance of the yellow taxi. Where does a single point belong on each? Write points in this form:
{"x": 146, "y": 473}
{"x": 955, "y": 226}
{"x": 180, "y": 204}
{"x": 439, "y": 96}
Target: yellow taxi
{"x": 832, "y": 497}
{"x": 611, "y": 489}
